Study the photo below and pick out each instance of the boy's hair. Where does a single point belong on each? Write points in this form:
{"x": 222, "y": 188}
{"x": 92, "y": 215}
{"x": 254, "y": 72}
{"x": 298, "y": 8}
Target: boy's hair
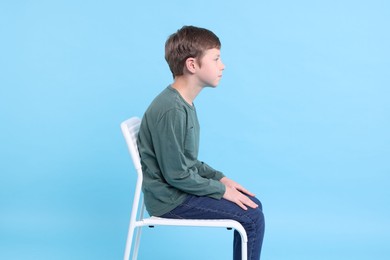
{"x": 189, "y": 41}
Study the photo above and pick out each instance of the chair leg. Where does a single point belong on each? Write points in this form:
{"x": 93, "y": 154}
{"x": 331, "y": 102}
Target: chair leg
{"x": 129, "y": 241}
{"x": 244, "y": 249}
{"x": 136, "y": 244}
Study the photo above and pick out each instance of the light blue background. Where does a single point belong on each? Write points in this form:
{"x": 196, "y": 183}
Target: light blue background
{"x": 301, "y": 118}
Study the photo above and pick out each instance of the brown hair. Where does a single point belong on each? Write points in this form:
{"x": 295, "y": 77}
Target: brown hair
{"x": 189, "y": 41}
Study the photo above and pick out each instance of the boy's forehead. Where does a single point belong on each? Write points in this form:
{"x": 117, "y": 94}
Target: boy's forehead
{"x": 213, "y": 51}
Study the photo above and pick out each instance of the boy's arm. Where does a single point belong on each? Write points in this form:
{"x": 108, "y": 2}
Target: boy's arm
{"x": 178, "y": 169}
{"x": 208, "y": 172}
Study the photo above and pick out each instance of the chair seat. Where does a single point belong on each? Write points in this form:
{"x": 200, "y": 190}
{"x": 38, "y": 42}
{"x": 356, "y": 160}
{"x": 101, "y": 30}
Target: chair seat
{"x": 226, "y": 223}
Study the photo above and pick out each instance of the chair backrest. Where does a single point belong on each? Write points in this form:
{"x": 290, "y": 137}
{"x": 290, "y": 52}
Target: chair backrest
{"x": 130, "y": 129}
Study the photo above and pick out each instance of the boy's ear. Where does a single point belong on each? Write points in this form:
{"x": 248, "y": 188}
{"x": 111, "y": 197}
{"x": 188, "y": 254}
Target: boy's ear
{"x": 191, "y": 64}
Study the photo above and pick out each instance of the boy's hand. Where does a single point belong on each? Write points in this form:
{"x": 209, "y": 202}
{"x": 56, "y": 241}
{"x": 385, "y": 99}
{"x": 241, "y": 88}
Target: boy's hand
{"x": 236, "y": 193}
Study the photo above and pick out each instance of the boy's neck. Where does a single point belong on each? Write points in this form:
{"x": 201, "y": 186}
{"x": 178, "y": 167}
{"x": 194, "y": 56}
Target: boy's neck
{"x": 186, "y": 88}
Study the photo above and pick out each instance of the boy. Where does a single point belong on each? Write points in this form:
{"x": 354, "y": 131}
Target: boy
{"x": 176, "y": 184}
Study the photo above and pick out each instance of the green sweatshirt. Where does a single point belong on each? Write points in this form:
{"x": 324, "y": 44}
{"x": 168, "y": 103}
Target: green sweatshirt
{"x": 168, "y": 143}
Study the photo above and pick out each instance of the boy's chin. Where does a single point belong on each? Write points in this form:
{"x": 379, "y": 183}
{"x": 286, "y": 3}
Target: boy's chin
{"x": 213, "y": 85}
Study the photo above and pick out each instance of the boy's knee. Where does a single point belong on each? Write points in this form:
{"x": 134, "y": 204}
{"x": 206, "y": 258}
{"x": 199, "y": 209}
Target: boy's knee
{"x": 258, "y": 212}
{"x": 254, "y": 220}
{"x": 258, "y": 202}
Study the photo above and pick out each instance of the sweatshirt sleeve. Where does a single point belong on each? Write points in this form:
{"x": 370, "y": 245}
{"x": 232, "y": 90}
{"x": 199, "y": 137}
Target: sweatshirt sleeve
{"x": 208, "y": 172}
{"x": 175, "y": 155}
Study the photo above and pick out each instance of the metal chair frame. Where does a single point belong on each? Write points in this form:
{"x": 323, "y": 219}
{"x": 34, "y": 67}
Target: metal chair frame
{"x": 130, "y": 129}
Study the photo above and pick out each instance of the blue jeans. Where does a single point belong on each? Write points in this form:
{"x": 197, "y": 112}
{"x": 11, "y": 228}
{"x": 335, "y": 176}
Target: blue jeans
{"x": 208, "y": 208}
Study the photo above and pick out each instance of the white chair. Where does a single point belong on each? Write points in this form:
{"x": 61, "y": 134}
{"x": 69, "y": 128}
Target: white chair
{"x": 130, "y": 130}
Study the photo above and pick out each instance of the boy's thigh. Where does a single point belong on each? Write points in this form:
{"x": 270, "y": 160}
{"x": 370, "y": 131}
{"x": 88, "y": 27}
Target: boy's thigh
{"x": 195, "y": 207}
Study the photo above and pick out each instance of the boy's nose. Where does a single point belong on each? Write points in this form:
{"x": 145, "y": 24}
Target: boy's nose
{"x": 222, "y": 66}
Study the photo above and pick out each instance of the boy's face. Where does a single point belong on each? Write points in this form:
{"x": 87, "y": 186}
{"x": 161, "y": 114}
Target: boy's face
{"x": 210, "y": 71}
